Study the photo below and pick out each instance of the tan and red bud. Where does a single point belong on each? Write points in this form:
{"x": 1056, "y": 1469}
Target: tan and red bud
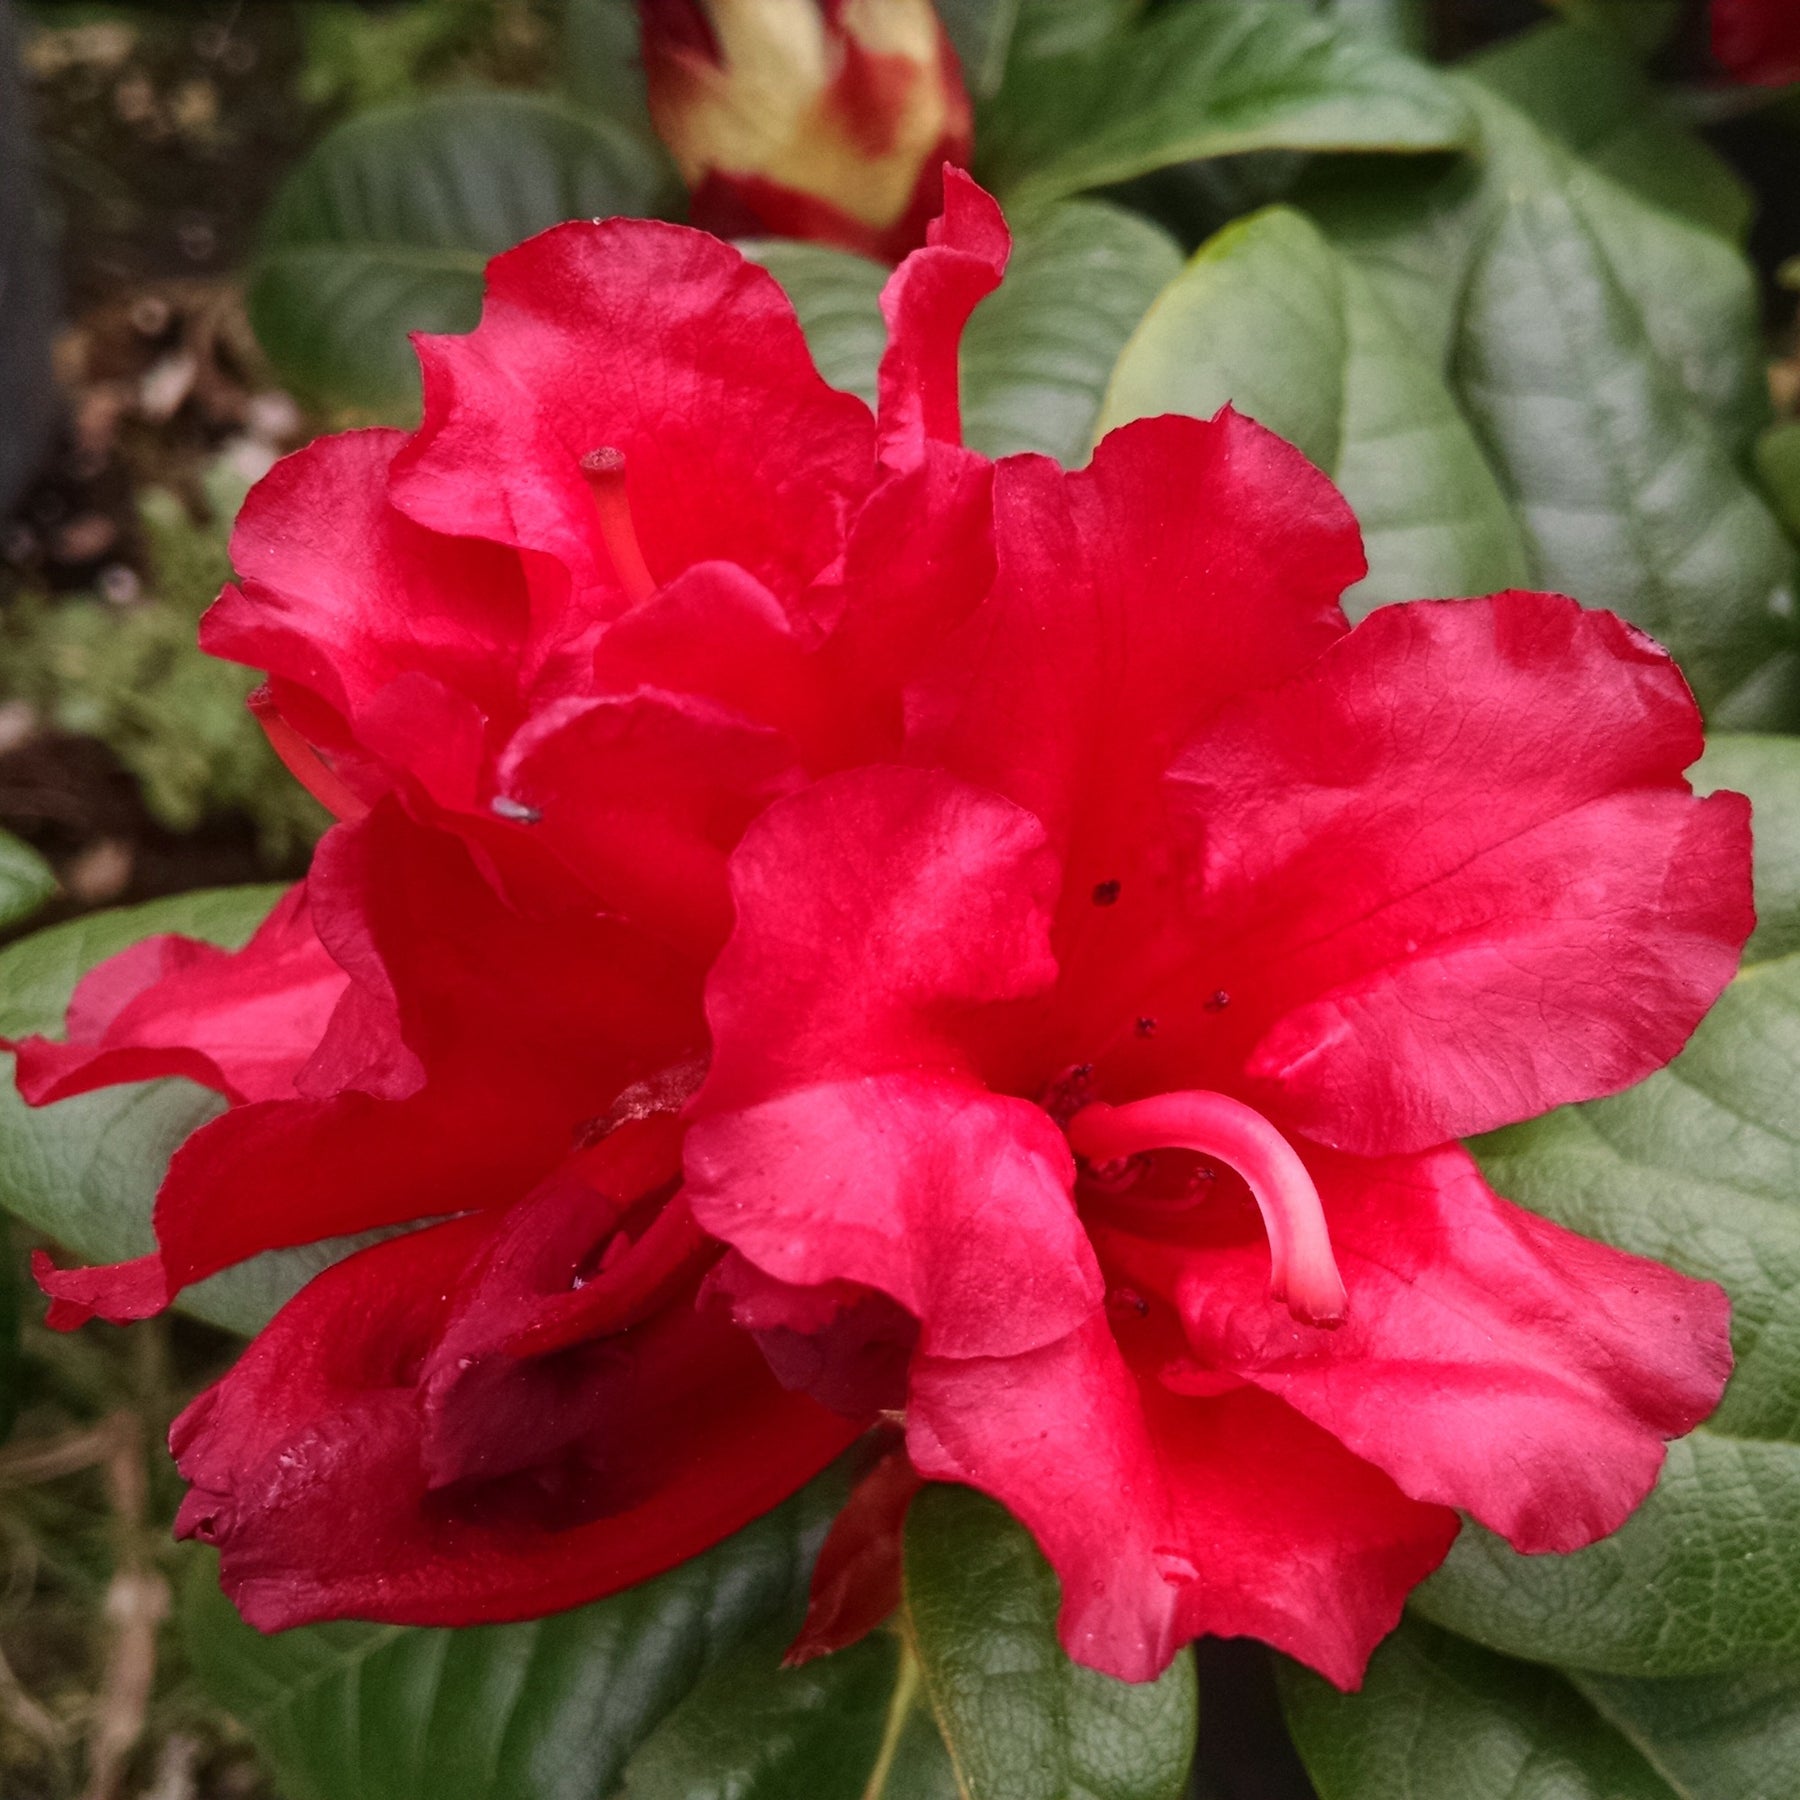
{"x": 823, "y": 119}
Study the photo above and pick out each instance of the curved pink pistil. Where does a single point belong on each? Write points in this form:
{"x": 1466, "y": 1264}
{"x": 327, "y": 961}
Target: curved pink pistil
{"x": 604, "y": 472}
{"x": 1303, "y": 1272}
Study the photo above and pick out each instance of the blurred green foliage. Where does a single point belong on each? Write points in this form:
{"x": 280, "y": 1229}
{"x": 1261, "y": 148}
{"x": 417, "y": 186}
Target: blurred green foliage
{"x": 132, "y": 677}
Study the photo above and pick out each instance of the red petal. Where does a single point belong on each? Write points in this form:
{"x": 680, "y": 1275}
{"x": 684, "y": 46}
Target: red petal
{"x": 308, "y": 1468}
{"x": 1491, "y": 1361}
{"x": 1189, "y": 561}
{"x": 662, "y": 343}
{"x": 343, "y": 595}
{"x": 523, "y": 1029}
{"x": 856, "y": 1583}
{"x": 845, "y": 1345}
{"x": 927, "y": 302}
{"x": 838, "y": 1135}
{"x": 643, "y": 796}
{"x": 1168, "y": 1517}
{"x": 240, "y": 1022}
{"x": 1454, "y": 876}
{"x": 1293, "y": 1539}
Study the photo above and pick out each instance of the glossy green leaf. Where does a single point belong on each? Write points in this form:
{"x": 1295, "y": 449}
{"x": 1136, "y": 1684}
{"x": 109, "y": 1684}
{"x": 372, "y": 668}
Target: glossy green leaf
{"x": 26, "y": 881}
{"x": 1596, "y": 102}
{"x": 1604, "y": 348}
{"x": 85, "y": 1171}
{"x": 837, "y": 296}
{"x": 1207, "y": 80}
{"x": 1037, "y": 354}
{"x": 1023, "y": 1722}
{"x": 1722, "y": 1737}
{"x": 751, "y": 1730}
{"x": 387, "y": 225}
{"x": 1039, "y": 351}
{"x": 1699, "y": 1167}
{"x": 1439, "y": 1719}
{"x": 548, "y": 1709}
{"x": 1269, "y": 317}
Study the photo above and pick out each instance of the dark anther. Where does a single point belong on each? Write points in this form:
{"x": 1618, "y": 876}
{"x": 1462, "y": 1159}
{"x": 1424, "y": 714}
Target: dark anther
{"x": 1219, "y": 1001}
{"x": 1146, "y": 1026}
{"x": 516, "y": 810}
{"x": 1105, "y": 892}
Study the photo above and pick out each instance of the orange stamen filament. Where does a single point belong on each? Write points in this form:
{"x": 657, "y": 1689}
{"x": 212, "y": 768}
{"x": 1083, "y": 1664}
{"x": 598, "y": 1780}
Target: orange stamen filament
{"x": 604, "y": 472}
{"x": 1303, "y": 1272}
{"x": 303, "y": 761}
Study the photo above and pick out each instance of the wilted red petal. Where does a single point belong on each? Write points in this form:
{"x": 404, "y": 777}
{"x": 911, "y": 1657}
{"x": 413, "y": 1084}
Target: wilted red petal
{"x": 309, "y": 1474}
{"x": 856, "y": 1582}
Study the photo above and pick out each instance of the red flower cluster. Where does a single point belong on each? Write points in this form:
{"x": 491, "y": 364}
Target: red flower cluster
{"x": 809, "y": 899}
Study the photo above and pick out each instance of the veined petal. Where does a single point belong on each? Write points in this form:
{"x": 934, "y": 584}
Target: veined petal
{"x": 1454, "y": 876}
{"x": 1490, "y": 1361}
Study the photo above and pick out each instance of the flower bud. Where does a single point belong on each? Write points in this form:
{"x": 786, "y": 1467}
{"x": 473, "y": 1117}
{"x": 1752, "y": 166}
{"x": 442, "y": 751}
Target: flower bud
{"x": 1758, "y": 40}
{"x": 822, "y": 119}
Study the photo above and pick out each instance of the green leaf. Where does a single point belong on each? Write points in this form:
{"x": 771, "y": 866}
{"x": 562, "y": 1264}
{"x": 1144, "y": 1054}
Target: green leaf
{"x": 549, "y": 1709}
{"x": 981, "y": 33}
{"x": 1728, "y": 1737}
{"x": 1604, "y": 349}
{"x": 1598, "y": 104}
{"x": 751, "y": 1730}
{"x": 1401, "y": 24}
{"x": 602, "y": 62}
{"x": 1439, "y": 1719}
{"x": 26, "y": 881}
{"x": 1207, "y": 80}
{"x": 1699, "y": 1167}
{"x": 85, "y": 1171}
{"x": 9, "y": 1331}
{"x": 837, "y": 296}
{"x": 1039, "y": 351}
{"x": 1778, "y": 464}
{"x": 387, "y": 225}
{"x": 1269, "y": 317}
{"x": 1021, "y": 1720}
{"x": 1768, "y": 770}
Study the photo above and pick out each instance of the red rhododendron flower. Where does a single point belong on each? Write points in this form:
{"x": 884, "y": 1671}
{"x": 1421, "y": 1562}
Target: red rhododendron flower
{"x": 822, "y": 119}
{"x": 1009, "y": 908}
{"x": 1758, "y": 40}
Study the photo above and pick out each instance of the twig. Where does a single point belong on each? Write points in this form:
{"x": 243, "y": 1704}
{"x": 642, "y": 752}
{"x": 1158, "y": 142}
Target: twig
{"x": 137, "y": 1602}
